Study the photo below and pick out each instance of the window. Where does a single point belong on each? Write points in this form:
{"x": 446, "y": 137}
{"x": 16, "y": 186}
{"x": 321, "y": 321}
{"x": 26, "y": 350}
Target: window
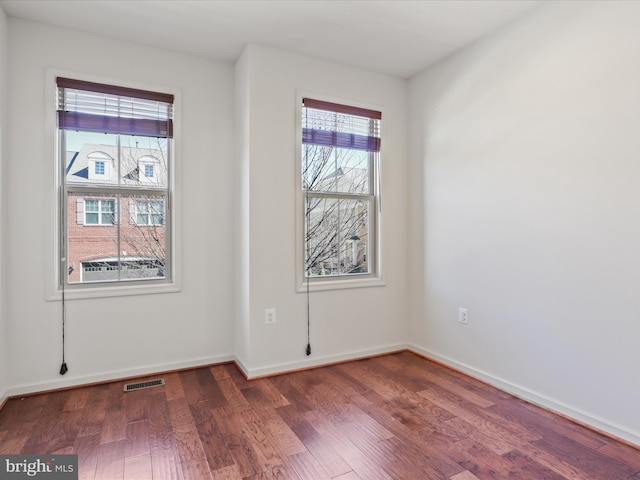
{"x": 340, "y": 155}
{"x": 99, "y": 212}
{"x": 149, "y": 212}
{"x": 147, "y": 168}
{"x": 115, "y": 162}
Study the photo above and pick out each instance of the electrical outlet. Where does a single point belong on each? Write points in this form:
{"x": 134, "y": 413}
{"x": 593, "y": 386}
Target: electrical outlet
{"x": 463, "y": 315}
{"x": 270, "y": 316}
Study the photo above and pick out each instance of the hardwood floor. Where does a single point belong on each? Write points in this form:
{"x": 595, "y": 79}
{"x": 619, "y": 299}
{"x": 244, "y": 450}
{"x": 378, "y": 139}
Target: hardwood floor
{"x": 392, "y": 417}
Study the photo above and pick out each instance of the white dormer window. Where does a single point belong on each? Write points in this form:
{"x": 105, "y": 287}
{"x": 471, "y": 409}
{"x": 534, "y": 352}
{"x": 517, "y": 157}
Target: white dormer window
{"x": 148, "y": 169}
{"x": 99, "y": 166}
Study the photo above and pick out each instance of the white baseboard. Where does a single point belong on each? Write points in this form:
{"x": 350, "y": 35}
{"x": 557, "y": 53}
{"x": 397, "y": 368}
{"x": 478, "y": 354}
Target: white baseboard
{"x": 71, "y": 381}
{"x": 536, "y": 398}
{"x": 313, "y": 362}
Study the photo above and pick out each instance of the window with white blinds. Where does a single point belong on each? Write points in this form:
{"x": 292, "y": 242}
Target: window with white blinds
{"x": 340, "y": 190}
{"x": 111, "y": 138}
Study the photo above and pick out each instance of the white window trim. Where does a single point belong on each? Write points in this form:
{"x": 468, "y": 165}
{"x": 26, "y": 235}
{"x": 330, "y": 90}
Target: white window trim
{"x": 374, "y": 279}
{"x": 53, "y": 291}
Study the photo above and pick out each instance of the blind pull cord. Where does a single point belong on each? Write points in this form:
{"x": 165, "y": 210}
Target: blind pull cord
{"x": 63, "y": 368}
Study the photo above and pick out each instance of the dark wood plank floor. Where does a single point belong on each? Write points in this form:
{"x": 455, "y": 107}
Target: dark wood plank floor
{"x": 392, "y": 417}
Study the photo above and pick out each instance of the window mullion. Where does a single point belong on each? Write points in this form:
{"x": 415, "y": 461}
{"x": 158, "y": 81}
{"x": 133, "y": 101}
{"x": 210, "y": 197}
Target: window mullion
{"x": 348, "y": 196}
{"x": 116, "y": 191}
{"x": 118, "y": 204}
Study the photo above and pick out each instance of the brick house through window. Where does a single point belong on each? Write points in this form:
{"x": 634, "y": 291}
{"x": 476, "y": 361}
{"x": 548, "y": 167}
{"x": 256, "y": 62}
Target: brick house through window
{"x": 102, "y": 224}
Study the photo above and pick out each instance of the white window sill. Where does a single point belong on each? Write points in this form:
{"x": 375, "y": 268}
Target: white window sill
{"x": 341, "y": 284}
{"x": 114, "y": 291}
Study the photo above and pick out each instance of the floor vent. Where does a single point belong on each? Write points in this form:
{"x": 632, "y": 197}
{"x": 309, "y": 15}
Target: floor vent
{"x": 130, "y": 387}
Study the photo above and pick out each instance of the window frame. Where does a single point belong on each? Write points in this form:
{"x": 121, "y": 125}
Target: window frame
{"x": 55, "y": 228}
{"x": 374, "y": 197}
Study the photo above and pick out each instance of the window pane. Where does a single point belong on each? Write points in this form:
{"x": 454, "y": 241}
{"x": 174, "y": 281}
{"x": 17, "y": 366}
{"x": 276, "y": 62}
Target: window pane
{"x": 332, "y": 169}
{"x": 157, "y": 213}
{"x": 94, "y": 238}
{"x": 143, "y": 242}
{"x": 114, "y": 160}
{"x": 354, "y": 236}
{"x": 88, "y": 155}
{"x": 107, "y": 209}
{"x": 144, "y": 161}
{"x": 321, "y": 236}
{"x": 337, "y": 236}
{"x": 87, "y": 239}
{"x": 91, "y": 205}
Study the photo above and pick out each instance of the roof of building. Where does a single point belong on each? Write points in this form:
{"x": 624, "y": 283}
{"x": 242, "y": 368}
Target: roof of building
{"x": 128, "y": 163}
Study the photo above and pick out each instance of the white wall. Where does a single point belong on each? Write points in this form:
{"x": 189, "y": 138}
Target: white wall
{"x": 344, "y": 323}
{"x": 527, "y": 145}
{"x": 4, "y": 357}
{"x": 220, "y": 312}
{"x": 118, "y": 336}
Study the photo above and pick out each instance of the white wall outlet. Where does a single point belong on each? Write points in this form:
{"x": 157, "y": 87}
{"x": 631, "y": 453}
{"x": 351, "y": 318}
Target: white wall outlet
{"x": 463, "y": 315}
{"x": 270, "y": 316}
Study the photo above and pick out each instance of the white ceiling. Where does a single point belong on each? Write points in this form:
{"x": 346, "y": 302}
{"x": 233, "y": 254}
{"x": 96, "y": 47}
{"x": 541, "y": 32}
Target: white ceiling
{"x": 398, "y": 37}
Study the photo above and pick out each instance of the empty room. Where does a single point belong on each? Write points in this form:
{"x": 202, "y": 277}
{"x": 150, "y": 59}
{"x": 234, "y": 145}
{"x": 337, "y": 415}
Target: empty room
{"x": 319, "y": 239}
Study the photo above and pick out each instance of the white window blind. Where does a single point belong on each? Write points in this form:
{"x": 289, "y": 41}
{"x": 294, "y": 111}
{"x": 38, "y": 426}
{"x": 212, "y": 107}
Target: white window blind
{"x": 94, "y": 107}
